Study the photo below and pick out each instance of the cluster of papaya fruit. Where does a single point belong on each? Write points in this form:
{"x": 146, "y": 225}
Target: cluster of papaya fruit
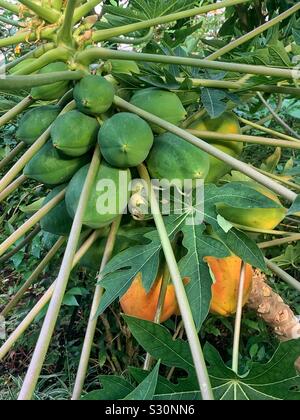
{"x": 125, "y": 141}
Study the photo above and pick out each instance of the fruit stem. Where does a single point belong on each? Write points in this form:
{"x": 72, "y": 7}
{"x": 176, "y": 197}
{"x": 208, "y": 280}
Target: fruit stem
{"x": 184, "y": 306}
{"x": 61, "y": 283}
{"x": 95, "y": 53}
{"x": 238, "y": 320}
{"x": 16, "y": 110}
{"x": 47, "y": 14}
{"x": 35, "y": 53}
{"x": 92, "y": 322}
{"x": 24, "y": 82}
{"x": 38, "y": 307}
{"x": 30, "y": 223}
{"x": 21, "y": 245}
{"x": 12, "y": 187}
{"x": 39, "y": 269}
{"x": 9, "y": 6}
{"x": 250, "y": 35}
{"x": 84, "y": 10}
{"x": 242, "y": 138}
{"x": 235, "y": 163}
{"x": 106, "y": 34}
{"x": 281, "y": 241}
{"x": 64, "y": 35}
{"x": 37, "y": 145}
{"x": 283, "y": 275}
{"x": 279, "y": 179}
{"x": 5, "y": 161}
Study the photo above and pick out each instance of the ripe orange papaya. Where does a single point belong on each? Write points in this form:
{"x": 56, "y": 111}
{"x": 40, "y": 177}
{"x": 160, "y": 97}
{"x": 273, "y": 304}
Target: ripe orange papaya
{"x": 137, "y": 302}
{"x": 226, "y": 273}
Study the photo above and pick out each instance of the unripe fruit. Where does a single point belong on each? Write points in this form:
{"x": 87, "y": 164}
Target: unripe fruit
{"x": 54, "y": 90}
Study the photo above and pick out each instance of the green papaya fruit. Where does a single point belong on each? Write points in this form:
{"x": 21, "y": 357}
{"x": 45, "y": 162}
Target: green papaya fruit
{"x": 94, "y": 95}
{"x": 125, "y": 140}
{"x": 21, "y": 65}
{"x": 107, "y": 199}
{"x": 74, "y": 133}
{"x": 228, "y": 123}
{"x": 174, "y": 158}
{"x": 51, "y": 167}
{"x": 35, "y": 122}
{"x": 161, "y": 103}
{"x": 57, "y": 221}
{"x": 54, "y": 90}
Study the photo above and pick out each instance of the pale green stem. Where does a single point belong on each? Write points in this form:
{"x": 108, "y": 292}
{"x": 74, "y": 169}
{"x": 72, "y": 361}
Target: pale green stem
{"x": 61, "y": 283}
{"x": 16, "y": 110}
{"x": 12, "y": 187}
{"x": 30, "y": 223}
{"x": 11, "y": 22}
{"x": 279, "y": 179}
{"x": 35, "y": 53}
{"x": 37, "y": 145}
{"x": 49, "y": 15}
{"x": 134, "y": 41}
{"x": 7, "y": 159}
{"x": 210, "y": 149}
{"x": 25, "y": 82}
{"x": 92, "y": 322}
{"x": 21, "y": 245}
{"x": 241, "y": 138}
{"x": 30, "y": 317}
{"x": 265, "y": 231}
{"x": 32, "y": 278}
{"x": 24, "y": 36}
{"x": 9, "y": 6}
{"x": 238, "y": 320}
{"x": 283, "y": 275}
{"x": 64, "y": 35}
{"x": 281, "y": 241}
{"x": 247, "y": 37}
{"x": 267, "y": 130}
{"x": 105, "y": 34}
{"x": 84, "y": 9}
{"x": 184, "y": 306}
{"x": 277, "y": 117}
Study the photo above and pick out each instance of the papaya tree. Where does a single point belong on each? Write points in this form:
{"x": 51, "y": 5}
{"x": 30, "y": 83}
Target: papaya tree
{"x": 123, "y": 102}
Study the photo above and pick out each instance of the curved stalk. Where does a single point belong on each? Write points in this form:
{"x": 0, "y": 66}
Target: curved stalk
{"x": 265, "y": 231}
{"x": 184, "y": 306}
{"x": 32, "y": 278}
{"x": 95, "y": 53}
{"x": 235, "y": 163}
{"x": 84, "y": 9}
{"x": 30, "y": 223}
{"x": 49, "y": 15}
{"x": 16, "y": 110}
{"x": 30, "y": 317}
{"x": 9, "y": 6}
{"x": 241, "y": 138}
{"x": 12, "y": 187}
{"x": 61, "y": 283}
{"x": 39, "y": 143}
{"x": 92, "y": 322}
{"x": 247, "y": 37}
{"x": 291, "y": 281}
{"x": 24, "y": 82}
{"x": 238, "y": 320}
{"x": 64, "y": 35}
{"x": 35, "y": 53}
{"x": 26, "y": 35}
{"x": 134, "y": 41}
{"x": 5, "y": 161}
{"x": 105, "y": 34}
{"x": 281, "y": 241}
{"x": 21, "y": 245}
{"x": 279, "y": 179}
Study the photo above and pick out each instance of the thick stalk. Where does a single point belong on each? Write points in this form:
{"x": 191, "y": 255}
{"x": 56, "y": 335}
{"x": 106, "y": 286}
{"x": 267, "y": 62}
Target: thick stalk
{"x": 183, "y": 302}
{"x": 16, "y": 110}
{"x": 92, "y": 322}
{"x": 32, "y": 278}
{"x": 49, "y": 15}
{"x": 105, "y": 34}
{"x": 283, "y": 275}
{"x": 250, "y": 125}
{"x": 25, "y": 36}
{"x": 7, "y": 159}
{"x": 30, "y": 223}
{"x": 242, "y": 138}
{"x": 35, "y": 53}
{"x": 280, "y": 179}
{"x": 12, "y": 187}
{"x": 247, "y": 37}
{"x": 134, "y": 41}
{"x": 25, "y": 82}
{"x": 37, "y": 145}
{"x": 95, "y": 53}
{"x": 30, "y": 317}
{"x": 238, "y": 320}
{"x": 21, "y": 245}
{"x": 64, "y": 35}
{"x": 61, "y": 283}
{"x": 84, "y": 9}
{"x": 265, "y": 231}
{"x": 277, "y": 117}
{"x": 281, "y": 241}
{"x": 235, "y": 163}
{"x": 9, "y": 6}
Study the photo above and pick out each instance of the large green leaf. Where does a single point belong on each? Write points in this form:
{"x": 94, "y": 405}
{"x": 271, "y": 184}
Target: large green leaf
{"x": 114, "y": 388}
{"x": 146, "y": 389}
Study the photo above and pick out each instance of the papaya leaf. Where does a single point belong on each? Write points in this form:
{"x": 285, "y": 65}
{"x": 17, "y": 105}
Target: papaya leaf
{"x": 114, "y": 388}
{"x": 146, "y": 389}
{"x": 275, "y": 380}
{"x": 295, "y": 207}
{"x": 213, "y": 101}
{"x": 270, "y": 164}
